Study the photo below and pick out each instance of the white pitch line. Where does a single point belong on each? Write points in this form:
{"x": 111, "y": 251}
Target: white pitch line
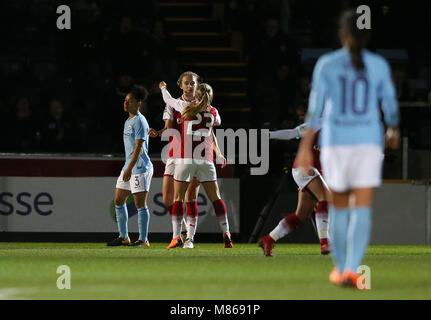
{"x": 13, "y": 293}
{"x": 9, "y": 293}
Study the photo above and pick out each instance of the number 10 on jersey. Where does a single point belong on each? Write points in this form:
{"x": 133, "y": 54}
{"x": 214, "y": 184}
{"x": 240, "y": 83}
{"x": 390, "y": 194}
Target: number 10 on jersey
{"x": 357, "y": 107}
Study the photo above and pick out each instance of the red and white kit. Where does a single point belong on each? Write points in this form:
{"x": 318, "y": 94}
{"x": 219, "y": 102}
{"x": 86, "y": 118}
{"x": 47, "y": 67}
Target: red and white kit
{"x": 174, "y": 142}
{"x": 292, "y": 221}
{"x": 303, "y": 179}
{"x": 193, "y": 154}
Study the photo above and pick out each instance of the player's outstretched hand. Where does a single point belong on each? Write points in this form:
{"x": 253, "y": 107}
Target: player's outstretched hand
{"x": 392, "y": 138}
{"x": 153, "y": 133}
{"x": 162, "y": 84}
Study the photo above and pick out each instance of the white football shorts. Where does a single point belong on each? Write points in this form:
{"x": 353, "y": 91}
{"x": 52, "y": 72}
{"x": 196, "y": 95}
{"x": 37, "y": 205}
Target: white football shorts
{"x": 137, "y": 183}
{"x": 351, "y": 167}
{"x": 203, "y": 170}
{"x": 169, "y": 167}
{"x": 301, "y": 179}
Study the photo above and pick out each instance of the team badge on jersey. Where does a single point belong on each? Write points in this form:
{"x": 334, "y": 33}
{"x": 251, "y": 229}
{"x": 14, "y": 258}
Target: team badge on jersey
{"x": 129, "y": 127}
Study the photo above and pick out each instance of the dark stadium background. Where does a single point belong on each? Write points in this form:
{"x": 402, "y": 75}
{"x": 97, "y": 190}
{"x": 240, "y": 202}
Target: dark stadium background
{"x": 62, "y": 90}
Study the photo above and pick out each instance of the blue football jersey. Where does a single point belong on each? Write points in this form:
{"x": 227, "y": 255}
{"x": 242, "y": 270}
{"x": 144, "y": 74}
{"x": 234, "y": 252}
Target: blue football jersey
{"x": 348, "y": 99}
{"x": 137, "y": 128}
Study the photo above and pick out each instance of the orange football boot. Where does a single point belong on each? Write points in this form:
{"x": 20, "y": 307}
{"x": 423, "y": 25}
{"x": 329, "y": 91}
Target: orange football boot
{"x": 227, "y": 241}
{"x": 175, "y": 243}
{"x": 350, "y": 279}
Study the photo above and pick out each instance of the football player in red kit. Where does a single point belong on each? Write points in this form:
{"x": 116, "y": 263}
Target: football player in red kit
{"x": 312, "y": 191}
{"x": 195, "y": 157}
{"x": 188, "y": 82}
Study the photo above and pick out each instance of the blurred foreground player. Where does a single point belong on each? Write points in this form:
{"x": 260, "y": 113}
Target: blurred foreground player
{"x": 312, "y": 190}
{"x": 351, "y": 81}
{"x": 136, "y": 174}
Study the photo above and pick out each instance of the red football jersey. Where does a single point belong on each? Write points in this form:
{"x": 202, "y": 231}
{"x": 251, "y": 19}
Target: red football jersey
{"x": 197, "y": 127}
{"x": 196, "y": 136}
{"x": 176, "y": 124}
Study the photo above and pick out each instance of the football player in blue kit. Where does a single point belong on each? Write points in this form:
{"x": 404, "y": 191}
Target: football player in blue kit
{"x": 348, "y": 85}
{"x": 136, "y": 173}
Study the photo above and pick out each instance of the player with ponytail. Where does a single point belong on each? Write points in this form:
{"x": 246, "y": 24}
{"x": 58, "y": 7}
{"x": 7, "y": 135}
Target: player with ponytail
{"x": 353, "y": 82}
{"x": 188, "y": 82}
{"x": 196, "y": 157}
{"x": 205, "y": 93}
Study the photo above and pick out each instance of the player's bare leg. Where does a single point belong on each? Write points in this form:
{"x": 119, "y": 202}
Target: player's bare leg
{"x": 121, "y": 196}
{"x": 304, "y": 210}
{"x": 213, "y": 193}
{"x": 168, "y": 191}
{"x": 305, "y": 206}
{"x": 363, "y": 197}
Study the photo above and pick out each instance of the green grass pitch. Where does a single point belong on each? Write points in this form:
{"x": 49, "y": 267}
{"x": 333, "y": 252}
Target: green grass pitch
{"x": 28, "y": 271}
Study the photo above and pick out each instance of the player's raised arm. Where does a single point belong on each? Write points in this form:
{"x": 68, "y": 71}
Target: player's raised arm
{"x": 177, "y": 104}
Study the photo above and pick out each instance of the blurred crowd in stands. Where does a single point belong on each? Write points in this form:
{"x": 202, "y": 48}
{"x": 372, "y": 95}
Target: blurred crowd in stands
{"x": 63, "y": 91}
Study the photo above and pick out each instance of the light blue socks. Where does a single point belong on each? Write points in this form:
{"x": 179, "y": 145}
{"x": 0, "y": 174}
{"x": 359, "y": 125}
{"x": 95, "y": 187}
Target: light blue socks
{"x": 338, "y": 222}
{"x": 143, "y": 222}
{"x": 358, "y": 236}
{"x": 349, "y": 231}
{"x": 122, "y": 218}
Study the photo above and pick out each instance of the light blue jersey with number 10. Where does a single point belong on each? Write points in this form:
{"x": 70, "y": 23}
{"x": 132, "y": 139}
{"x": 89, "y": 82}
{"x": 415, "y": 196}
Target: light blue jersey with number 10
{"x": 349, "y": 99}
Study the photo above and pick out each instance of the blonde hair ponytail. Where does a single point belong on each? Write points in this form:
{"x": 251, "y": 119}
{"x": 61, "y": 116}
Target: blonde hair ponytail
{"x": 204, "y": 94}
